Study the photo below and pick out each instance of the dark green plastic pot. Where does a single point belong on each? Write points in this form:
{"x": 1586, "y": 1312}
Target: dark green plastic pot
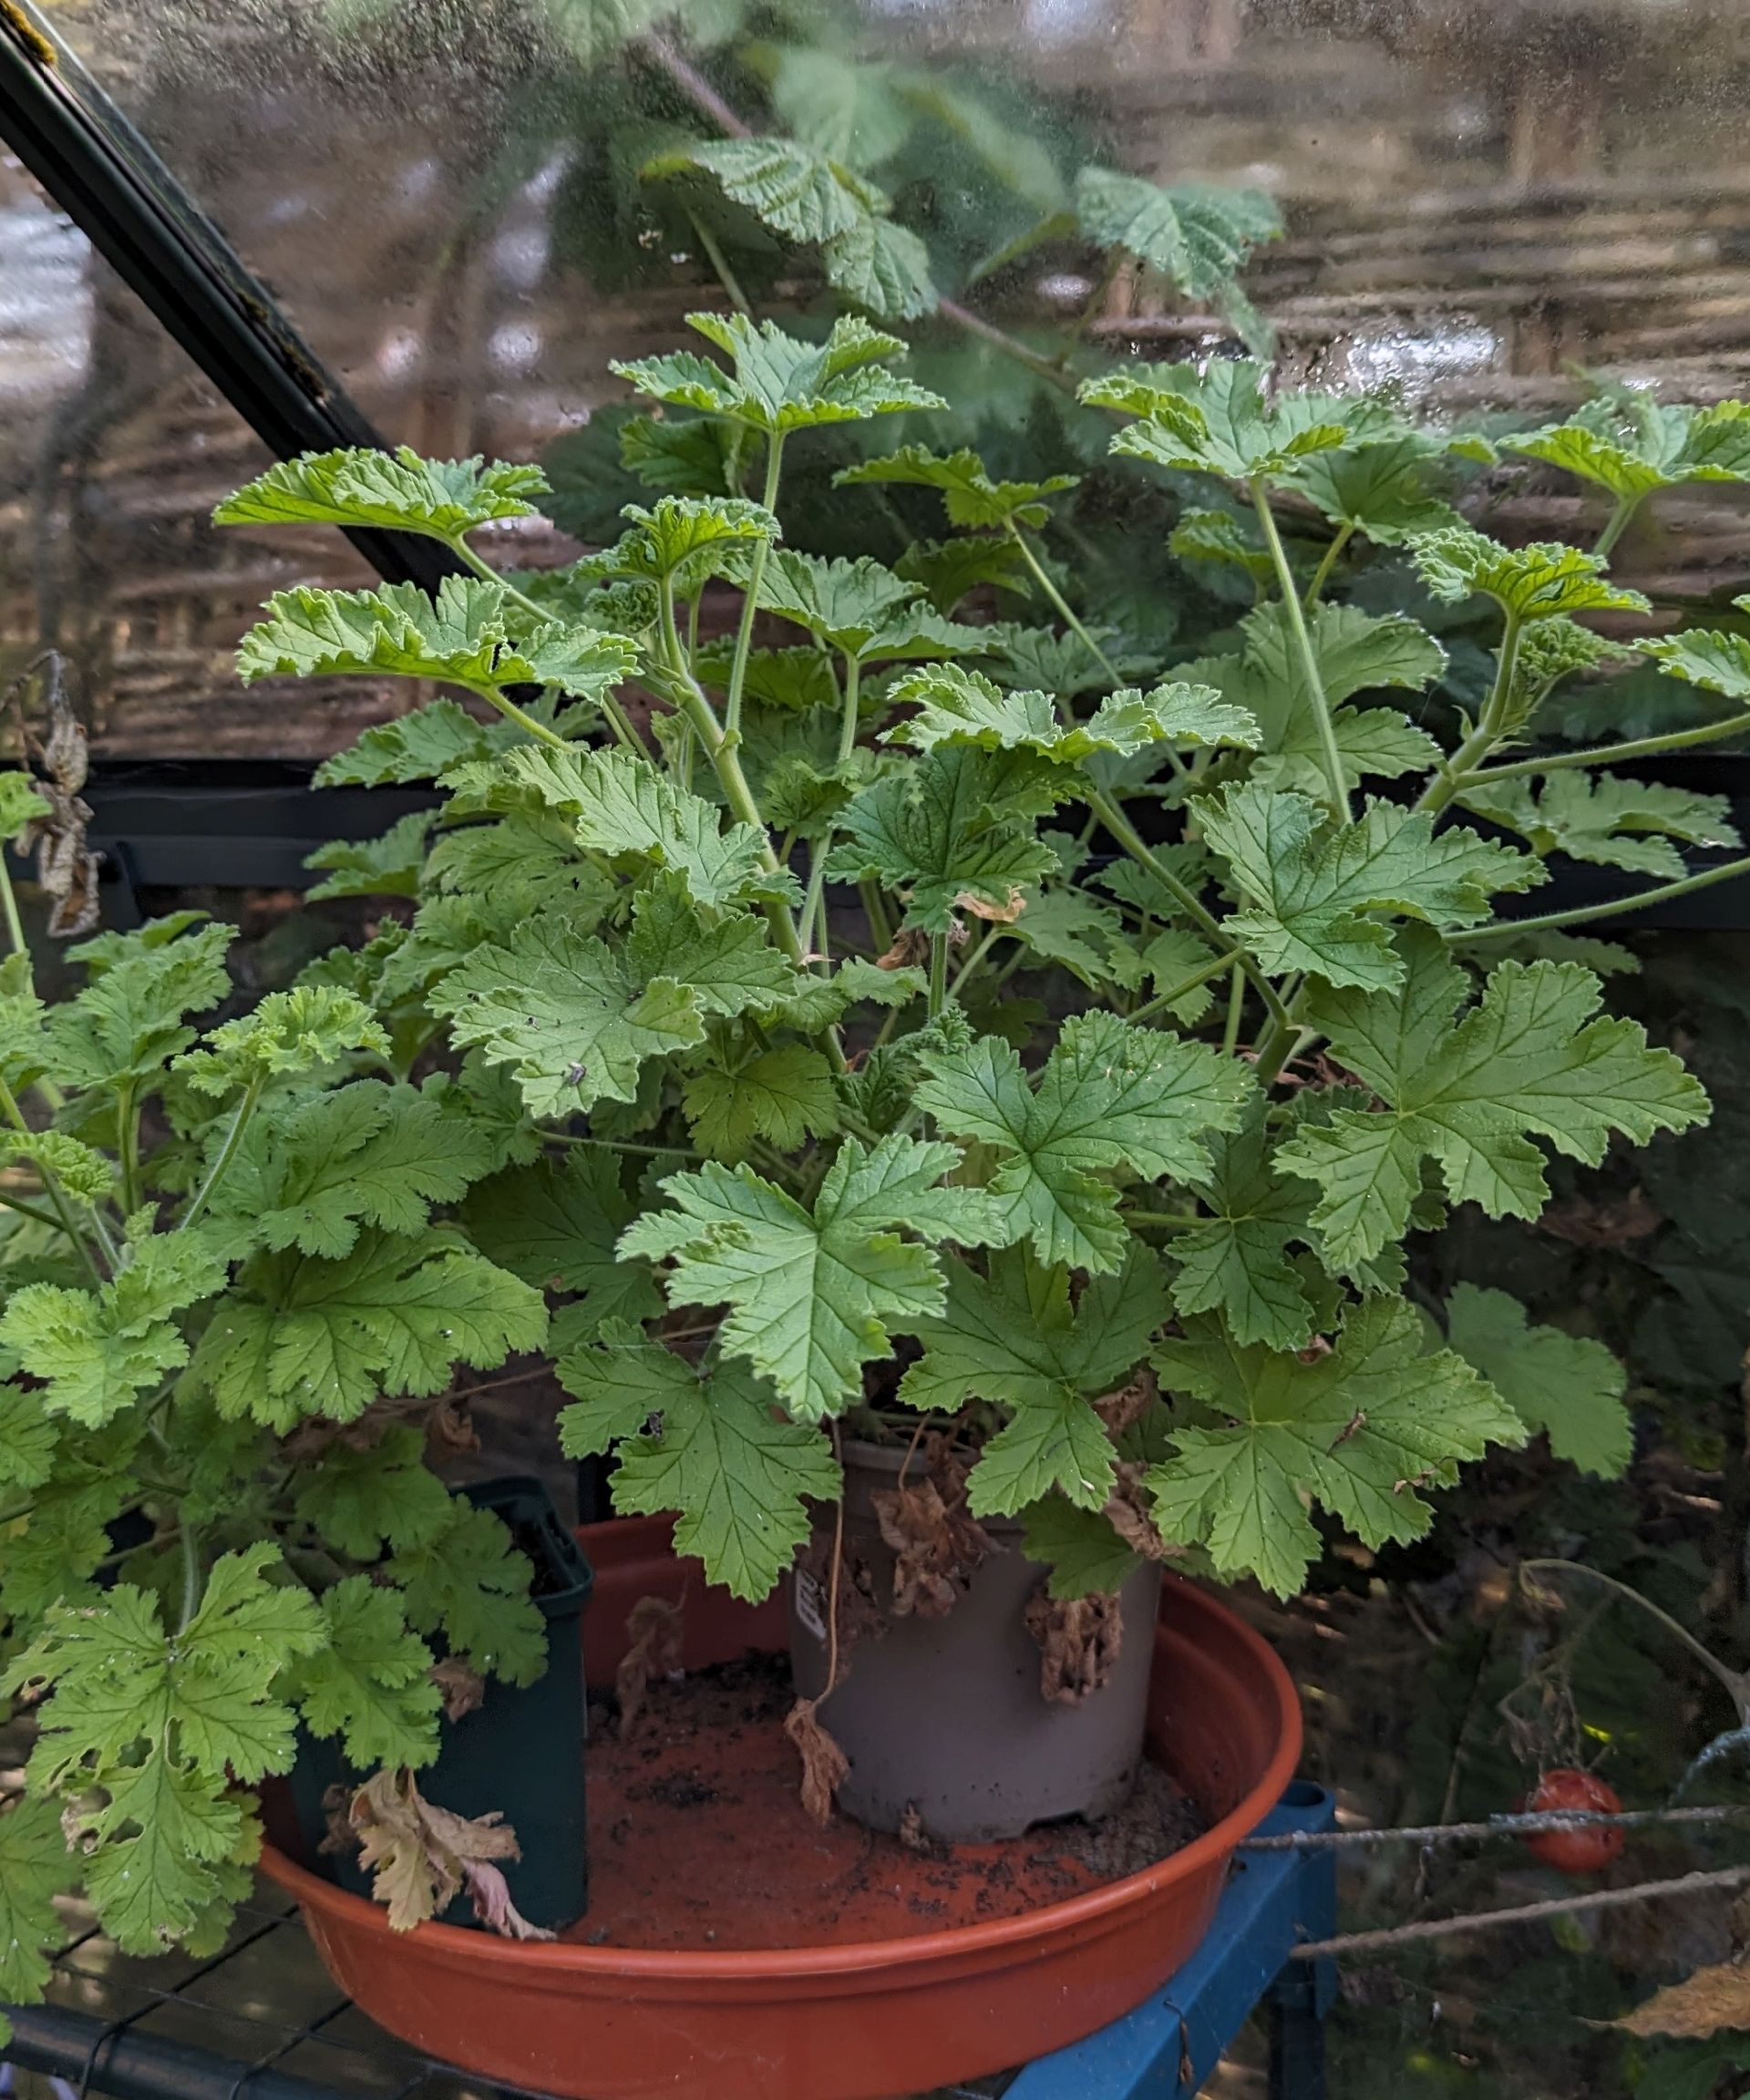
{"x": 522, "y": 1749}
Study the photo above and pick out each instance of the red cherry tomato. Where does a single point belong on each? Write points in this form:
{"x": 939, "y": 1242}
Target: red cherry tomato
{"x": 1583, "y": 1850}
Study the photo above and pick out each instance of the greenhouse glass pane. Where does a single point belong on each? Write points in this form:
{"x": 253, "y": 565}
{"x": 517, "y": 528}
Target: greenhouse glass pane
{"x": 113, "y": 450}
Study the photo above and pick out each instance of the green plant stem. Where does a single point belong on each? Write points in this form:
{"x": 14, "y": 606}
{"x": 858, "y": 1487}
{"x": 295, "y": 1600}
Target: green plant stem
{"x": 614, "y": 715}
{"x": 719, "y": 262}
{"x": 34, "y": 1211}
{"x": 51, "y": 1186}
{"x": 1166, "y": 1220}
{"x": 239, "y": 1122}
{"x": 1613, "y": 908}
{"x": 992, "y": 936}
{"x": 1619, "y": 522}
{"x": 938, "y": 973}
{"x": 750, "y": 604}
{"x": 625, "y": 1145}
{"x": 1334, "y": 772}
{"x": 1205, "y": 920}
{"x": 1334, "y": 553}
{"x": 106, "y": 1240}
{"x": 881, "y": 927}
{"x": 720, "y": 748}
{"x": 1236, "y": 1007}
{"x": 814, "y": 901}
{"x": 127, "y": 1132}
{"x": 1482, "y": 740}
{"x": 190, "y": 1576}
{"x": 1736, "y": 1683}
{"x": 1614, "y": 753}
{"x": 1163, "y": 1002}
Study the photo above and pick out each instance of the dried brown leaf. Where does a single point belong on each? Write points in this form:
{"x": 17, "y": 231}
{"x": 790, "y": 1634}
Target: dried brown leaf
{"x": 936, "y": 1542}
{"x": 489, "y": 1893}
{"x": 449, "y": 1431}
{"x": 1079, "y": 1639}
{"x": 1700, "y": 2005}
{"x": 1124, "y": 1408}
{"x": 653, "y": 1628}
{"x": 910, "y": 949}
{"x": 1127, "y": 1512}
{"x": 339, "y": 1834}
{"x": 825, "y": 1766}
{"x": 1004, "y": 915}
{"x": 913, "y": 1834}
{"x": 463, "y": 1687}
{"x": 418, "y": 1853}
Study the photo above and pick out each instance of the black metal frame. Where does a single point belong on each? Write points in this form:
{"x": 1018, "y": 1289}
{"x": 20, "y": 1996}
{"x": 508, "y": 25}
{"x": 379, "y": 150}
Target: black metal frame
{"x": 96, "y": 166}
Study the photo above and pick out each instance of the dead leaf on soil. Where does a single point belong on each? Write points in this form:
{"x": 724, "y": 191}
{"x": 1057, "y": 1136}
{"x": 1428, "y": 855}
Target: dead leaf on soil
{"x": 936, "y": 1540}
{"x": 338, "y": 1835}
{"x": 653, "y": 1629}
{"x": 421, "y": 1856}
{"x": 825, "y": 1766}
{"x": 462, "y": 1686}
{"x": 1700, "y": 2005}
{"x": 1080, "y": 1640}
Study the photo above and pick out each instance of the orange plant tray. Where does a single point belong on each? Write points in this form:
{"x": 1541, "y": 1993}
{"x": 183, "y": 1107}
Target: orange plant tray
{"x": 854, "y": 2019}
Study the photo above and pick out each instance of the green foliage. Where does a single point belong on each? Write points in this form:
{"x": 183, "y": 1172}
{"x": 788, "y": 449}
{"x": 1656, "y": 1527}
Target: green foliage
{"x": 1357, "y": 1432}
{"x": 738, "y": 1476}
{"x": 1094, "y": 1124}
{"x": 1633, "y": 445}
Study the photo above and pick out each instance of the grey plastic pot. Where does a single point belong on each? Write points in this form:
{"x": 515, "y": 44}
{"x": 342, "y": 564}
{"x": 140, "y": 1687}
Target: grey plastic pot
{"x": 946, "y": 1715}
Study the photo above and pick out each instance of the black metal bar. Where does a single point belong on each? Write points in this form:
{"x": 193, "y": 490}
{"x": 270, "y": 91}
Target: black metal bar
{"x": 141, "y": 2066}
{"x": 107, "y": 179}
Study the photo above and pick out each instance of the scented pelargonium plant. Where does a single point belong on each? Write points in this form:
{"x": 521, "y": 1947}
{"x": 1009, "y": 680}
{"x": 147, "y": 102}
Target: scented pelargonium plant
{"x": 931, "y": 1015}
{"x": 821, "y": 997}
{"x": 233, "y": 1302}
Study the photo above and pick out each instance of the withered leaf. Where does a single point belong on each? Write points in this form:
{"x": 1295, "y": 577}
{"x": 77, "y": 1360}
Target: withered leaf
{"x": 936, "y": 1540}
{"x": 825, "y": 1766}
{"x": 420, "y": 1855}
{"x": 1702, "y": 2004}
{"x": 653, "y": 1628}
{"x": 462, "y": 1686}
{"x": 1079, "y": 1641}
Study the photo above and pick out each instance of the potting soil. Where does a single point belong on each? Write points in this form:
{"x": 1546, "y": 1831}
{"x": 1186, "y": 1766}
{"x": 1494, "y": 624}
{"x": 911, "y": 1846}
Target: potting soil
{"x": 698, "y": 1839}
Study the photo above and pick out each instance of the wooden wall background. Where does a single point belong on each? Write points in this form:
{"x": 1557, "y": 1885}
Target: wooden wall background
{"x": 1482, "y": 196}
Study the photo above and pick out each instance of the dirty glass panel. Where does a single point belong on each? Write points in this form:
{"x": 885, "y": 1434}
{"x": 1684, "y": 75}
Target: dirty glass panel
{"x": 113, "y": 450}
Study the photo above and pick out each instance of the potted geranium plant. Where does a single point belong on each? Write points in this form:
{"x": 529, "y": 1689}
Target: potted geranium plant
{"x": 867, "y": 1247}
{"x": 233, "y": 1307}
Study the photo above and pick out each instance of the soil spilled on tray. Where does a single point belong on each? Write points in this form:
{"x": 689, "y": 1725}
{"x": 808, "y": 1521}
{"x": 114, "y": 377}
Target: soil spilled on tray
{"x": 697, "y": 1839}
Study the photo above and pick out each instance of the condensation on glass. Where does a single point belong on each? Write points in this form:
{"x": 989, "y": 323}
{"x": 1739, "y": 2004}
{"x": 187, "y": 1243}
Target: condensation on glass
{"x": 1483, "y": 198}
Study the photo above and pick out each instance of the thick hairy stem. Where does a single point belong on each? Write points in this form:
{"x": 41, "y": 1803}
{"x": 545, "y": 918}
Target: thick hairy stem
{"x": 938, "y": 973}
{"x": 1205, "y": 920}
{"x": 190, "y": 1576}
{"x": 1613, "y": 908}
{"x": 613, "y": 713}
{"x": 1296, "y": 611}
{"x": 1334, "y": 553}
{"x": 814, "y": 901}
{"x": 14, "y": 924}
{"x": 750, "y": 604}
{"x": 239, "y": 1122}
{"x": 1615, "y": 753}
{"x": 1482, "y": 740}
{"x": 1163, "y": 1002}
{"x": 127, "y": 1132}
{"x": 1620, "y": 519}
{"x": 719, "y": 748}
{"x": 719, "y": 262}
